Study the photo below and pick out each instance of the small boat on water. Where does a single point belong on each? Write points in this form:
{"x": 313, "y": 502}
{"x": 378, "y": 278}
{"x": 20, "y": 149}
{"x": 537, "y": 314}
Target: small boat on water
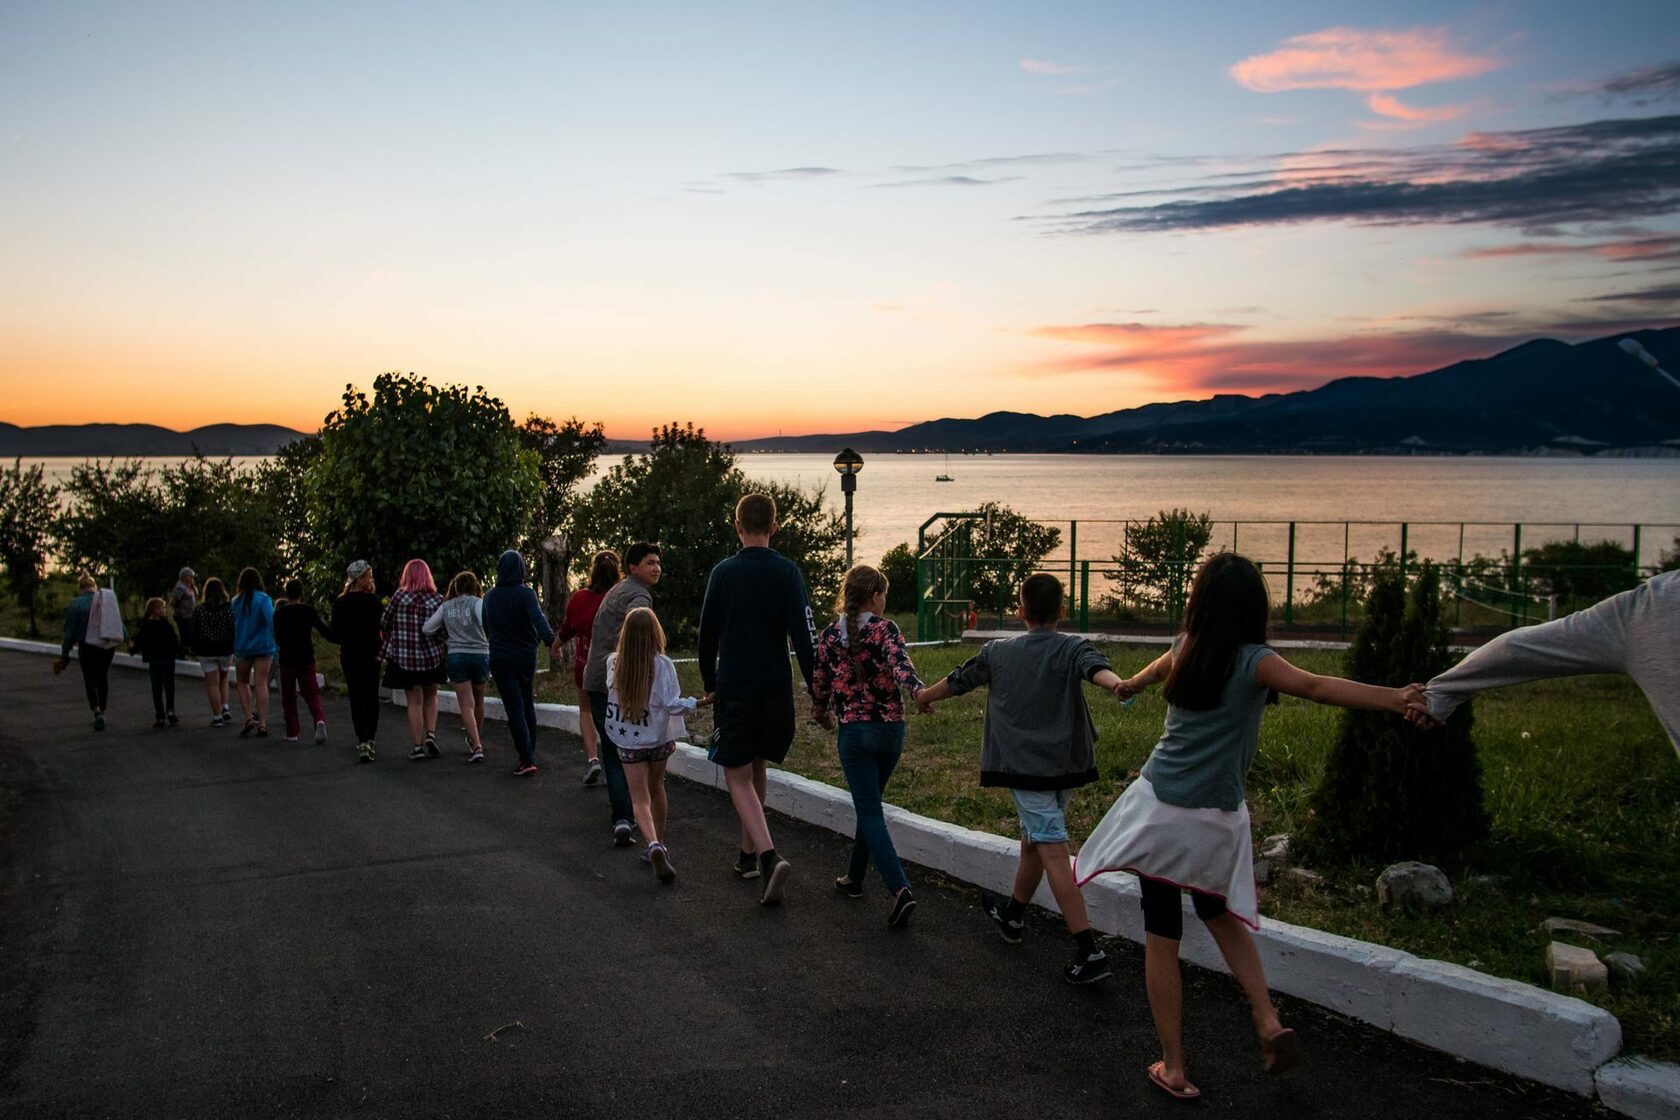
{"x": 945, "y": 475}
{"x": 943, "y": 478}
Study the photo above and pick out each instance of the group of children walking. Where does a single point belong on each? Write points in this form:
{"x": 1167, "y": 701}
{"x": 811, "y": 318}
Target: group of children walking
{"x": 1181, "y": 827}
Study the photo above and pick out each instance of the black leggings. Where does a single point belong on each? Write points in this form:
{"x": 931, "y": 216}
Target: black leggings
{"x": 96, "y": 673}
{"x": 1163, "y": 910}
{"x": 361, "y": 682}
{"x": 163, "y": 686}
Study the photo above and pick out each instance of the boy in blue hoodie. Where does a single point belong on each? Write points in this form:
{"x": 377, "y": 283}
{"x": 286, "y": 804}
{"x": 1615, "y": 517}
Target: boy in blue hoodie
{"x": 514, "y": 625}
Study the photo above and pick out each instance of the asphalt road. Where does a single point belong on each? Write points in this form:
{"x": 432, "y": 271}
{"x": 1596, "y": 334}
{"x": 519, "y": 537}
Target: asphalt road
{"x": 198, "y": 925}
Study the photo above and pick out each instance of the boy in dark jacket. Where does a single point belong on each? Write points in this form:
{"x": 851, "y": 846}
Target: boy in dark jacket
{"x": 1040, "y": 744}
{"x": 514, "y": 625}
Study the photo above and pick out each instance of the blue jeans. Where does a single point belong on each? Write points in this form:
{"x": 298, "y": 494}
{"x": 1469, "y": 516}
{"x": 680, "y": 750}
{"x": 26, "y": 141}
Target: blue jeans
{"x": 618, "y": 788}
{"x": 514, "y": 684}
{"x": 868, "y": 754}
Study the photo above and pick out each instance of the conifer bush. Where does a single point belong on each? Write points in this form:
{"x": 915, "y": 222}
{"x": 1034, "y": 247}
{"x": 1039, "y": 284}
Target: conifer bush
{"x": 1391, "y": 790}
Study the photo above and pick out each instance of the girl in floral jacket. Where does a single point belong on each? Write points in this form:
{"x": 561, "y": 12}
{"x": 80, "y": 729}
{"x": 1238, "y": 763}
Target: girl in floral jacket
{"x": 861, "y": 666}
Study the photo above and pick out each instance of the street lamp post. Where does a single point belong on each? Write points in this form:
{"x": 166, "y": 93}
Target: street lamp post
{"x": 848, "y": 463}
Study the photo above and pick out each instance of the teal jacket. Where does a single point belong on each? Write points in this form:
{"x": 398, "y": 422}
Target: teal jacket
{"x": 76, "y": 622}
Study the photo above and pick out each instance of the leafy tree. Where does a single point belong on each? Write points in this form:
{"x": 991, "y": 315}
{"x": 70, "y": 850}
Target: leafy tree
{"x": 1390, "y": 790}
{"x": 28, "y": 507}
{"x": 282, "y": 487}
{"x": 1001, "y": 534}
{"x": 417, "y": 470}
{"x": 109, "y": 524}
{"x": 141, "y": 526}
{"x": 1159, "y": 560}
{"x": 1572, "y": 570}
{"x": 681, "y": 494}
{"x": 566, "y": 453}
{"x": 899, "y": 566}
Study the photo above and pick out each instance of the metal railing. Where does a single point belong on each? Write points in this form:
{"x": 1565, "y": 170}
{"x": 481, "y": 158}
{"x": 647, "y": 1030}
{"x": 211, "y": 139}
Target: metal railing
{"x": 1137, "y": 573}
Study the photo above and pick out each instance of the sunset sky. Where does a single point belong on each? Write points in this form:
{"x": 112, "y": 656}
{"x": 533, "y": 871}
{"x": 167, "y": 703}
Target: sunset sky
{"x": 799, "y": 218}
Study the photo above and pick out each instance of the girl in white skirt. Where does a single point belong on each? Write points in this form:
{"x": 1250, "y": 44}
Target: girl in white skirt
{"x": 1183, "y": 824}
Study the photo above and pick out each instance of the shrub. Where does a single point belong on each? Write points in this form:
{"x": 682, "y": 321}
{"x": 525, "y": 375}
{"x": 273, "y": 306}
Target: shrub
{"x": 1391, "y": 790}
{"x": 1572, "y": 570}
{"x": 1001, "y": 534}
{"x": 899, "y": 566}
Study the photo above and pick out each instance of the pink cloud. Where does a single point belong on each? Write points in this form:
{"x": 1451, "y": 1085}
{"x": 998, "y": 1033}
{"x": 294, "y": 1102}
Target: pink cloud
{"x": 1362, "y": 60}
{"x": 1044, "y": 66}
{"x": 1664, "y": 247}
{"x": 1389, "y": 106}
{"x": 1196, "y": 359}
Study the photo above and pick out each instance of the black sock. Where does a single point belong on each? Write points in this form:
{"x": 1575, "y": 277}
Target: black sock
{"x": 1087, "y": 942}
{"x": 767, "y": 859}
{"x": 1014, "y": 910}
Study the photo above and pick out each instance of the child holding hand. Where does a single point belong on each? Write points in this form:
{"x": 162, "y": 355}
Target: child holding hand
{"x": 645, "y": 709}
{"x": 1040, "y": 744}
{"x": 1183, "y": 824}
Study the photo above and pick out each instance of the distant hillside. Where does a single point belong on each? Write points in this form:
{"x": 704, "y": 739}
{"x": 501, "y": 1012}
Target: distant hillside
{"x": 96, "y": 440}
{"x": 1543, "y": 395}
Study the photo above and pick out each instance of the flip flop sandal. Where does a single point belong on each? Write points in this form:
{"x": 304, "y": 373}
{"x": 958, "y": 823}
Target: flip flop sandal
{"x": 250, "y": 726}
{"x": 1279, "y": 1052}
{"x": 1157, "y": 1078}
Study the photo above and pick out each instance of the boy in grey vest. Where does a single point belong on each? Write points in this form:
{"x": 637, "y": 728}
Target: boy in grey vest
{"x": 1040, "y": 744}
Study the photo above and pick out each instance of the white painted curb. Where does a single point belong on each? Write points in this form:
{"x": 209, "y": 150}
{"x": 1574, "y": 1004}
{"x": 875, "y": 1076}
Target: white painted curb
{"x": 132, "y": 661}
{"x": 1640, "y": 1089}
{"x": 1512, "y": 1027}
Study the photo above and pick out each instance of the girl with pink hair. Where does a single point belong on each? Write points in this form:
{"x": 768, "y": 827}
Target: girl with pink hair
{"x": 413, "y": 658}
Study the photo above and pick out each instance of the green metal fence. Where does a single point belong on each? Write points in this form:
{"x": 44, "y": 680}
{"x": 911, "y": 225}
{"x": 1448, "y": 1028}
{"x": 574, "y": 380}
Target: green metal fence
{"x": 1136, "y": 574}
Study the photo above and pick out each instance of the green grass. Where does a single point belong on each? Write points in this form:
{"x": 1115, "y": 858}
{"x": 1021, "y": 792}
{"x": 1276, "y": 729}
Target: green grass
{"x": 1585, "y": 819}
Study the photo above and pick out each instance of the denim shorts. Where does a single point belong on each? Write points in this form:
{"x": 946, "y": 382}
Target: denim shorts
{"x": 1043, "y": 814}
{"x": 219, "y": 664}
{"x": 467, "y": 668}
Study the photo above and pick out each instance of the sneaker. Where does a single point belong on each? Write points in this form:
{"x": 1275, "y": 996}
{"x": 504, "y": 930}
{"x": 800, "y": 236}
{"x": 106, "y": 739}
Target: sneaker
{"x": 160, "y": 722}
{"x": 288, "y": 738}
{"x": 364, "y": 752}
{"x": 746, "y": 867}
{"x": 593, "y": 774}
{"x": 775, "y": 882}
{"x": 621, "y": 834}
{"x": 321, "y": 733}
{"x": 904, "y": 904}
{"x": 1009, "y": 929}
{"x": 1088, "y": 969}
{"x": 475, "y": 756}
{"x": 431, "y": 745}
{"x": 848, "y": 888}
{"x": 662, "y": 869}
{"x": 172, "y": 718}
{"x": 99, "y": 722}
{"x": 227, "y": 714}
{"x": 215, "y": 721}
{"x": 417, "y": 754}
{"x": 524, "y": 769}
{"x": 647, "y": 854}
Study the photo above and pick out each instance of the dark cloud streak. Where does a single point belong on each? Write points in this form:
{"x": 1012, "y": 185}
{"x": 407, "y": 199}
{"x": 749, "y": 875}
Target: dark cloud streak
{"x": 1538, "y": 179}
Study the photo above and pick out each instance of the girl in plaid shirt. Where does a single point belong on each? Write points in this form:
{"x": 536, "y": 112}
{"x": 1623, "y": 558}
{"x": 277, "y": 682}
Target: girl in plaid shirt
{"x": 413, "y": 658}
{"x": 861, "y": 666}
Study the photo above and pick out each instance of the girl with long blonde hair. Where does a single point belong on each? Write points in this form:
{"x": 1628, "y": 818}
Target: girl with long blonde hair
{"x": 645, "y": 709}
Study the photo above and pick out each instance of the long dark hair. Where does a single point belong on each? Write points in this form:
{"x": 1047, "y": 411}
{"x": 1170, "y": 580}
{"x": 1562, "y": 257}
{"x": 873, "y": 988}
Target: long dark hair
{"x": 857, "y": 590}
{"x": 214, "y": 593}
{"x": 250, "y": 582}
{"x": 1228, "y": 609}
{"x": 603, "y": 571}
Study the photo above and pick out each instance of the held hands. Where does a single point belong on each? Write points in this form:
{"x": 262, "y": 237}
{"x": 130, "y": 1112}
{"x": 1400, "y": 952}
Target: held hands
{"x": 823, "y": 719}
{"x": 1417, "y": 713}
{"x": 1124, "y": 690}
{"x": 923, "y": 707}
{"x": 704, "y": 701}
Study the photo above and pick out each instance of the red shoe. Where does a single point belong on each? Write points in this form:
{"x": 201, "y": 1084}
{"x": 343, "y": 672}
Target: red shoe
{"x": 524, "y": 769}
